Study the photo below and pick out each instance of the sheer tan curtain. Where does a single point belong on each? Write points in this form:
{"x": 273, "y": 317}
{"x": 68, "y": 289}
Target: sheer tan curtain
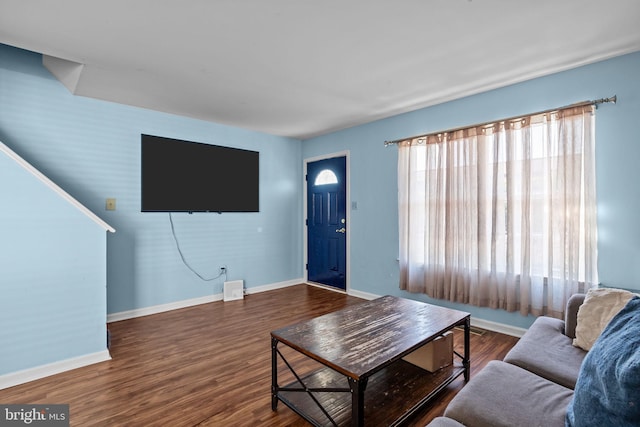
{"x": 502, "y": 215}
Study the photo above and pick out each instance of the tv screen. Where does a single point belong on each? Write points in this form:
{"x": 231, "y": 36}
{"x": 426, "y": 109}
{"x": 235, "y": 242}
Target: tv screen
{"x": 184, "y": 176}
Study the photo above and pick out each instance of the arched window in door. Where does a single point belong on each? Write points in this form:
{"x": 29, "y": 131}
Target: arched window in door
{"x": 326, "y": 176}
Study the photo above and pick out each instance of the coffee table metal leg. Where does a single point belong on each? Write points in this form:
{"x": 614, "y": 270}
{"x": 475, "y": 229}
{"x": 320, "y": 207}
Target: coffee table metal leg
{"x": 466, "y": 362}
{"x": 357, "y": 400}
{"x": 274, "y": 374}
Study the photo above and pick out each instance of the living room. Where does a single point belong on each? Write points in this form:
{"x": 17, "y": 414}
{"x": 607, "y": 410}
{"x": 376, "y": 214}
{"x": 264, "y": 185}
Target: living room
{"x": 91, "y": 148}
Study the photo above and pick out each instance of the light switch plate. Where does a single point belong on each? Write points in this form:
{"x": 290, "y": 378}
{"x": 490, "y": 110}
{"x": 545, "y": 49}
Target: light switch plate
{"x": 110, "y": 205}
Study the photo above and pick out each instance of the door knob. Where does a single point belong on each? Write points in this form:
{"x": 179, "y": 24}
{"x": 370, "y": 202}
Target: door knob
{"x": 341, "y": 230}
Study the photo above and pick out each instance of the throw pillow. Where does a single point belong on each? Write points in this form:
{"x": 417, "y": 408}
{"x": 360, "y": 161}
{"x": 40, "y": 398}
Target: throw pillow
{"x": 598, "y": 308}
{"x": 607, "y": 392}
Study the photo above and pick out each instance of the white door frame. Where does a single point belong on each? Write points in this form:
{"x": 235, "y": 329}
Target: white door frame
{"x": 305, "y": 257}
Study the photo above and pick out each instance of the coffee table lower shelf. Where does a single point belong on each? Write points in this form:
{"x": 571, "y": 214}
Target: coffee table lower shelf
{"x": 392, "y": 394}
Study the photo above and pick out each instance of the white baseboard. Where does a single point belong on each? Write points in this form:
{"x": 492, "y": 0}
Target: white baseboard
{"x": 273, "y": 286}
{"x": 351, "y": 292}
{"x": 502, "y": 328}
{"x": 363, "y": 295}
{"x": 147, "y": 311}
{"x": 31, "y": 374}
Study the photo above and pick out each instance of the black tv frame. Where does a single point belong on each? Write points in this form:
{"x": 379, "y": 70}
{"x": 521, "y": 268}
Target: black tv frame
{"x": 185, "y": 176}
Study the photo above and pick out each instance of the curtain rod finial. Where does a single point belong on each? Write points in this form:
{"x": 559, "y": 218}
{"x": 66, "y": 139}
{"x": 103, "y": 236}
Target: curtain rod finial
{"x": 611, "y": 100}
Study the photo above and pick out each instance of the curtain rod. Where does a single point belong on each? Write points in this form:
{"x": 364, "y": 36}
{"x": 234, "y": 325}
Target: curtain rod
{"x": 596, "y": 102}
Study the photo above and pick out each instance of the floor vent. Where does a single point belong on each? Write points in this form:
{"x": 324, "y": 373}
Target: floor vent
{"x": 233, "y": 290}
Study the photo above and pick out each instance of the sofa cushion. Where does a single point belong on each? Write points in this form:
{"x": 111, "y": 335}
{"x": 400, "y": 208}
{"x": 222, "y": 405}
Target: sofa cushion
{"x": 599, "y": 307}
{"x": 444, "y": 422}
{"x": 546, "y": 351}
{"x": 608, "y": 389}
{"x": 571, "y": 314}
{"x": 502, "y": 394}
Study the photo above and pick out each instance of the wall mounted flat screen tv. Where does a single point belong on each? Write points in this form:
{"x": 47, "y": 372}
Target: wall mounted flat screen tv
{"x": 184, "y": 176}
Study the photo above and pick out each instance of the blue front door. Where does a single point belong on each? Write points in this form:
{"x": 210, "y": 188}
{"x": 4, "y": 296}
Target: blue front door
{"x": 327, "y": 222}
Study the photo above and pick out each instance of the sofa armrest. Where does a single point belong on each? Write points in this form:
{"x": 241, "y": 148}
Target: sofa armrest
{"x": 571, "y": 314}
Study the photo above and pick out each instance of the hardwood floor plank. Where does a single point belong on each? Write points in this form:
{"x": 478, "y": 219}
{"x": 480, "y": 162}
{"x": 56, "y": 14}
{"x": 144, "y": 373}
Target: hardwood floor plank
{"x": 208, "y": 365}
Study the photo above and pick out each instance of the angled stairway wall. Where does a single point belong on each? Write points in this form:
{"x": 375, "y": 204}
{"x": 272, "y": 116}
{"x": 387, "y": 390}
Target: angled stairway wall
{"x": 52, "y": 276}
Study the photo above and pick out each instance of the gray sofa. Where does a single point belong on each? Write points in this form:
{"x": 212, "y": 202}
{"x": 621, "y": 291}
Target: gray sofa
{"x": 532, "y": 386}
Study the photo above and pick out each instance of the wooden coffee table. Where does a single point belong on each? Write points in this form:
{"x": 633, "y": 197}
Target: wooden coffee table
{"x": 362, "y": 379}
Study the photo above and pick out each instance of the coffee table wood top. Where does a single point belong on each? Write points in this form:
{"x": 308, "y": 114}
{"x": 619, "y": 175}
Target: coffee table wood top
{"x": 362, "y": 339}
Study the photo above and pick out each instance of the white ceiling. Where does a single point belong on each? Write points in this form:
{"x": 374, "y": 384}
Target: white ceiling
{"x": 303, "y": 68}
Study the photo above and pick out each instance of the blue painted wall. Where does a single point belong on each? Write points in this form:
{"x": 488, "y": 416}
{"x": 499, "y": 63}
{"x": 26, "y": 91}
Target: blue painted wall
{"x": 374, "y": 229}
{"x": 52, "y": 275}
{"x": 91, "y": 148}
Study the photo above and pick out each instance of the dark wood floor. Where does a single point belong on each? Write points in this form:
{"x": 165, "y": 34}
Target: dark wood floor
{"x": 208, "y": 365}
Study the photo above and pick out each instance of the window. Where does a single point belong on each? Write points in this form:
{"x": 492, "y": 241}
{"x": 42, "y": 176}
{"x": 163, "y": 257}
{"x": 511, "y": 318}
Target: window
{"x": 501, "y": 215}
{"x": 325, "y": 177}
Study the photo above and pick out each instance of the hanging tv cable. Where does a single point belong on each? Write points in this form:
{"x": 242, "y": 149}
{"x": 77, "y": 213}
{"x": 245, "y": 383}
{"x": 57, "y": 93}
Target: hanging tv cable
{"x": 223, "y": 270}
